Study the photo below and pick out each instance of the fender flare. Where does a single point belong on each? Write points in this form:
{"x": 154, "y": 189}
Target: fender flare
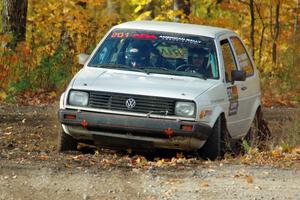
{"x": 217, "y": 112}
{"x": 255, "y": 108}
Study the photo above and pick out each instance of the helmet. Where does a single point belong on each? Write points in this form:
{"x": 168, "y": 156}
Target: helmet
{"x": 137, "y": 53}
{"x": 197, "y": 53}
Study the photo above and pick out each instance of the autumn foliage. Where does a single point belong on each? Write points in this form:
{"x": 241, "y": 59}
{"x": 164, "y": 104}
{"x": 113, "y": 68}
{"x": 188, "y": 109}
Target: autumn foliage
{"x": 57, "y": 31}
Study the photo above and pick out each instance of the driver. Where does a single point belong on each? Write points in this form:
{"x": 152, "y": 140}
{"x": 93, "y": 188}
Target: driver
{"x": 197, "y": 59}
{"x": 137, "y": 54}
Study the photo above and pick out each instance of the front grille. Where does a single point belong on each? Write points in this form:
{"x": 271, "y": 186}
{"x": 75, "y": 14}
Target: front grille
{"x": 143, "y": 104}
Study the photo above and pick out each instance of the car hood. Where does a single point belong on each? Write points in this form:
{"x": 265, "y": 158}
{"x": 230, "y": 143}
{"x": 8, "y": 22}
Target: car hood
{"x": 120, "y": 81}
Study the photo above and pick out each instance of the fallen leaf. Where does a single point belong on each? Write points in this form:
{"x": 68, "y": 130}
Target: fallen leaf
{"x": 277, "y": 153}
{"x": 249, "y": 179}
{"x": 179, "y": 155}
{"x": 68, "y": 165}
{"x": 204, "y": 184}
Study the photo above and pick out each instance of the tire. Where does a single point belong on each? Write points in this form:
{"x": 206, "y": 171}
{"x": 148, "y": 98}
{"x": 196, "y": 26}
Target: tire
{"x": 66, "y": 142}
{"x": 214, "y": 146}
{"x": 252, "y": 136}
{"x": 258, "y": 133}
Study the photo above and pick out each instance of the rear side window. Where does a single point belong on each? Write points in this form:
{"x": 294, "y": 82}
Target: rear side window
{"x": 229, "y": 62}
{"x": 242, "y": 56}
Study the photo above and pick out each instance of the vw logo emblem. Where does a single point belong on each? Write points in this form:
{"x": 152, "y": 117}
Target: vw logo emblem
{"x": 130, "y": 103}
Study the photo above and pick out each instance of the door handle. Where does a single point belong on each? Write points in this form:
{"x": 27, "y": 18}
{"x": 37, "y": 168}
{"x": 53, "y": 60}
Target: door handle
{"x": 244, "y": 88}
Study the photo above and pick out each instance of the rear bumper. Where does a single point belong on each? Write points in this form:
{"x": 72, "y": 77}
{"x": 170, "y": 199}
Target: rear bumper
{"x": 133, "y": 132}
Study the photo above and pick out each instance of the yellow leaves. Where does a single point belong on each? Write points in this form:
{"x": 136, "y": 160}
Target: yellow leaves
{"x": 144, "y": 16}
{"x": 3, "y": 95}
{"x": 277, "y": 153}
{"x": 139, "y": 161}
{"x": 5, "y": 38}
{"x": 279, "y": 156}
{"x": 94, "y": 2}
{"x": 138, "y": 8}
{"x": 66, "y": 10}
{"x": 139, "y": 2}
{"x": 296, "y": 150}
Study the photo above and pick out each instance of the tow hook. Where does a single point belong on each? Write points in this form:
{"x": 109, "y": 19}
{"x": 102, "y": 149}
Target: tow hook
{"x": 84, "y": 123}
{"x": 169, "y": 132}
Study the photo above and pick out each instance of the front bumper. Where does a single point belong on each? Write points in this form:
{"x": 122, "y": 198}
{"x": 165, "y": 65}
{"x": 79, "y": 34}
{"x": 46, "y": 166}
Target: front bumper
{"x": 116, "y": 131}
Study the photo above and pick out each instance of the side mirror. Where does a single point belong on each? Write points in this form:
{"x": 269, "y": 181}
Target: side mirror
{"x": 238, "y": 75}
{"x": 82, "y": 58}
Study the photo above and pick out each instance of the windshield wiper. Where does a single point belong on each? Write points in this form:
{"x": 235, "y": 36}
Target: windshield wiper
{"x": 117, "y": 66}
{"x": 172, "y": 72}
{"x": 149, "y": 70}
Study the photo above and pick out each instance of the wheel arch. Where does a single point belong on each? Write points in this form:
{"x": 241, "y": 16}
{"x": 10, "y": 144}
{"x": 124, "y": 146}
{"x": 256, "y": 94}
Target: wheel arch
{"x": 217, "y": 112}
{"x": 256, "y": 109}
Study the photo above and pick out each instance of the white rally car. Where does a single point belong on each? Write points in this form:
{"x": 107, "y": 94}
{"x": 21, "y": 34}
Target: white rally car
{"x": 142, "y": 87}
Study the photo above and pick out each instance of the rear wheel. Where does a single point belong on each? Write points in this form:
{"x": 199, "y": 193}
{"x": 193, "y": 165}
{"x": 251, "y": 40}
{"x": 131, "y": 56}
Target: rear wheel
{"x": 66, "y": 142}
{"x": 252, "y": 136}
{"x": 258, "y": 133}
{"x": 215, "y": 144}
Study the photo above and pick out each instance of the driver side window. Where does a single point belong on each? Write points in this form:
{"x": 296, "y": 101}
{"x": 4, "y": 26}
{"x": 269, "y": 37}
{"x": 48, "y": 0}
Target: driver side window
{"x": 229, "y": 61}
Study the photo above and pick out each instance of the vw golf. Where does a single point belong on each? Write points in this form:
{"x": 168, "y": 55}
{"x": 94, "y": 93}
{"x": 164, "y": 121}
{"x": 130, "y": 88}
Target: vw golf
{"x": 162, "y": 85}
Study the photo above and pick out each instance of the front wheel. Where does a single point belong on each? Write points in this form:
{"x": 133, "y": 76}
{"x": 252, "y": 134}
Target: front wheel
{"x": 215, "y": 145}
{"x": 66, "y": 142}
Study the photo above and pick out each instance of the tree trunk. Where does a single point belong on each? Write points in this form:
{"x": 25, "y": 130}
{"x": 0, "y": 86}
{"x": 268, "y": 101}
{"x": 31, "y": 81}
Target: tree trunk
{"x": 262, "y": 33}
{"x": 251, "y": 5}
{"x": 14, "y": 19}
{"x": 296, "y": 36}
{"x": 275, "y": 32}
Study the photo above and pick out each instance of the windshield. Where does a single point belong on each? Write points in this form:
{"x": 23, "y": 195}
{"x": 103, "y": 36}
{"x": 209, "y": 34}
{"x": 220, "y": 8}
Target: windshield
{"x": 158, "y": 52}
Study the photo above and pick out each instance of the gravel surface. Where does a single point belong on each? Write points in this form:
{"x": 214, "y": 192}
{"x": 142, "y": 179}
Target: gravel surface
{"x": 30, "y": 168}
{"x": 39, "y": 181}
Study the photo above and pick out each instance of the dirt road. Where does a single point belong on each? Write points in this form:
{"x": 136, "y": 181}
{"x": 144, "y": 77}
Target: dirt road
{"x": 31, "y": 169}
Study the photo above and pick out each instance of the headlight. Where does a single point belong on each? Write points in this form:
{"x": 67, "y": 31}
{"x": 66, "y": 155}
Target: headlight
{"x": 78, "y": 98}
{"x": 185, "y": 109}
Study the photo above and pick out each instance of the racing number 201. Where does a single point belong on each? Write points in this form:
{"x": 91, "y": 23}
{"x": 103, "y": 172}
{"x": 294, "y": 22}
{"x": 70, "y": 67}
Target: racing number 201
{"x": 119, "y": 35}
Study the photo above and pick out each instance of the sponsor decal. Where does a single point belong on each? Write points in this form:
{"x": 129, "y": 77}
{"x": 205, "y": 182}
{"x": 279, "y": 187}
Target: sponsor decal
{"x": 132, "y": 35}
{"x": 233, "y": 98}
{"x": 180, "y": 39}
{"x": 154, "y": 36}
{"x": 119, "y": 35}
{"x": 233, "y": 107}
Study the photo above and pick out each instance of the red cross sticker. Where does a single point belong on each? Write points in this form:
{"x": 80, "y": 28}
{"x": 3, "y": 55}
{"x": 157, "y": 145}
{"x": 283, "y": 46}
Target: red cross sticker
{"x": 169, "y": 132}
{"x": 84, "y": 123}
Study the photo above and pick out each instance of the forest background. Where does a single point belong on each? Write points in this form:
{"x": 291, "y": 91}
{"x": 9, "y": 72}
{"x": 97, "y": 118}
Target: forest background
{"x": 40, "y": 40}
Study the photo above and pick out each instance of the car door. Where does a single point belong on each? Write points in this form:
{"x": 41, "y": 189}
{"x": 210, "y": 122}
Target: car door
{"x": 249, "y": 90}
{"x": 234, "y": 114}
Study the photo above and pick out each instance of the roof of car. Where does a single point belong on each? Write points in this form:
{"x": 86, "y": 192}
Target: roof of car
{"x": 208, "y": 31}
